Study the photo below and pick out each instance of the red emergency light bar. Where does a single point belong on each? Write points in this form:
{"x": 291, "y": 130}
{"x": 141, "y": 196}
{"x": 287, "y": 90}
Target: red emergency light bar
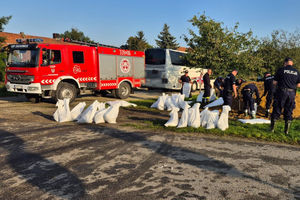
{"x": 29, "y": 40}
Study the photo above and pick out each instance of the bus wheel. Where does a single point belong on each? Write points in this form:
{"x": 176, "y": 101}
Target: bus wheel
{"x": 33, "y": 98}
{"x": 123, "y": 91}
{"x": 66, "y": 90}
{"x": 194, "y": 86}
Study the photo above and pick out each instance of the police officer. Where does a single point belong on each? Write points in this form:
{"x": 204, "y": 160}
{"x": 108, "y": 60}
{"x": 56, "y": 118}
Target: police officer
{"x": 287, "y": 79}
{"x": 207, "y": 85}
{"x": 248, "y": 100}
{"x": 218, "y": 85}
{"x": 229, "y": 87}
{"x": 268, "y": 90}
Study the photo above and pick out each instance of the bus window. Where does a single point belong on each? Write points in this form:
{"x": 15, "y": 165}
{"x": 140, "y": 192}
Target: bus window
{"x": 155, "y": 56}
{"x": 177, "y": 58}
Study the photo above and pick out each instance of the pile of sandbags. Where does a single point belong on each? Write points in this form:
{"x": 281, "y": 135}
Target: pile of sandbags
{"x": 97, "y": 112}
{"x": 166, "y": 102}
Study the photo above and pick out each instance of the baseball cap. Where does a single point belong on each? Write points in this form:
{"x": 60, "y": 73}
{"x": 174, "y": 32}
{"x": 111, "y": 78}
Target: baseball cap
{"x": 186, "y": 71}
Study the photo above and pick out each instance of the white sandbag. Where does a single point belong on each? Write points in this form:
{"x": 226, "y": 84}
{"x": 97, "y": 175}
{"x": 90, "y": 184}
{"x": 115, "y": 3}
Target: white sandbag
{"x": 255, "y": 121}
{"x": 99, "y": 116}
{"x": 169, "y": 104}
{"x": 87, "y": 116}
{"x": 200, "y": 96}
{"x": 212, "y": 96}
{"x": 223, "y": 120}
{"x": 160, "y": 103}
{"x": 217, "y": 102}
{"x": 204, "y": 117}
{"x": 194, "y": 116}
{"x": 212, "y": 119}
{"x": 177, "y": 98}
{"x": 110, "y": 116}
{"x": 173, "y": 121}
{"x": 121, "y": 102}
{"x": 63, "y": 113}
{"x": 184, "y": 117}
{"x": 77, "y": 110}
{"x": 186, "y": 90}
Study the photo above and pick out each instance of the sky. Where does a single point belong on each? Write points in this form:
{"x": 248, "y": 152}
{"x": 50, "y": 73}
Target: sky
{"x": 111, "y": 22}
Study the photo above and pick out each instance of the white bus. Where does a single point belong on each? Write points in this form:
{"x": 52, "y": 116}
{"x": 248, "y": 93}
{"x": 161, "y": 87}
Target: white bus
{"x": 164, "y": 67}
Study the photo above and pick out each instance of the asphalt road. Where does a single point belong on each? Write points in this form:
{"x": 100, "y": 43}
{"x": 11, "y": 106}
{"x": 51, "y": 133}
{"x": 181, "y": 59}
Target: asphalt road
{"x": 43, "y": 159}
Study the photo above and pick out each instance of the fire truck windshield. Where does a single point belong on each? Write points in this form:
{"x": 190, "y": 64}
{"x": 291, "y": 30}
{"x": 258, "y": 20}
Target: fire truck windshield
{"x": 23, "y": 58}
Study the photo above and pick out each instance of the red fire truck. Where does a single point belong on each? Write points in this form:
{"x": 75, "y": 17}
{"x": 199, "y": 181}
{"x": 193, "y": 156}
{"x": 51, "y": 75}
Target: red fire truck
{"x": 60, "y": 71}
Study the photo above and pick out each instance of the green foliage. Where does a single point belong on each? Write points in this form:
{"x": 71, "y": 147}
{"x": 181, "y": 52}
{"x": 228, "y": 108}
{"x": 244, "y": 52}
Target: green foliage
{"x": 281, "y": 44}
{"x": 2, "y": 66}
{"x": 137, "y": 42}
{"x": 3, "y": 91}
{"x": 3, "y": 22}
{"x": 76, "y": 34}
{"x": 221, "y": 49}
{"x": 166, "y": 40}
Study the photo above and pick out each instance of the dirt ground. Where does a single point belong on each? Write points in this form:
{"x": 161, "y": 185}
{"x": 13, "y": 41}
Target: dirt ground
{"x": 43, "y": 159}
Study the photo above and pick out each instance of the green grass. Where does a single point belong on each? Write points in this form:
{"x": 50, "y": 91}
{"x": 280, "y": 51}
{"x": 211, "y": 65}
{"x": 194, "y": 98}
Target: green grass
{"x": 236, "y": 128}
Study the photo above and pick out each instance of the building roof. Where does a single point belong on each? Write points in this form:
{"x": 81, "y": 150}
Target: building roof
{"x": 182, "y": 49}
{"x": 11, "y": 38}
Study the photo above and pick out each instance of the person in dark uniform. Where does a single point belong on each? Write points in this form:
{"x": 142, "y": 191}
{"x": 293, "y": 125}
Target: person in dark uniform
{"x": 207, "y": 85}
{"x": 218, "y": 85}
{"x": 269, "y": 91}
{"x": 248, "y": 100}
{"x": 184, "y": 79}
{"x": 287, "y": 79}
{"x": 229, "y": 87}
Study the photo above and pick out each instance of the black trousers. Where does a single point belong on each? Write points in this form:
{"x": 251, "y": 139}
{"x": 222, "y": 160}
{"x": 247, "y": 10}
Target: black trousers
{"x": 206, "y": 92}
{"x": 227, "y": 97}
{"x": 269, "y": 98}
{"x": 284, "y": 100}
{"x": 248, "y": 100}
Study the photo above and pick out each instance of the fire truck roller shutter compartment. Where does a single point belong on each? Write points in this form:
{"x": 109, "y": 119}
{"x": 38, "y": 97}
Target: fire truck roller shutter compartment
{"x": 139, "y": 67}
{"x": 125, "y": 66}
{"x": 107, "y": 64}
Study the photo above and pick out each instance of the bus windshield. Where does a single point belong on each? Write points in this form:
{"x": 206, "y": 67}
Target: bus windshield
{"x": 155, "y": 56}
{"x": 23, "y": 58}
{"x": 177, "y": 58}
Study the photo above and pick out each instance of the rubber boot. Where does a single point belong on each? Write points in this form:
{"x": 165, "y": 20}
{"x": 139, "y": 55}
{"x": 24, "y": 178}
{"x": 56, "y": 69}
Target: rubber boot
{"x": 253, "y": 116}
{"x": 246, "y": 113}
{"x": 272, "y": 127}
{"x": 287, "y": 126}
{"x": 267, "y": 113}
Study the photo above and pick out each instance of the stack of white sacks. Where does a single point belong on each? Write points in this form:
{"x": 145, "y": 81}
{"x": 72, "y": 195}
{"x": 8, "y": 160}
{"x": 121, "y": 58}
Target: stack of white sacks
{"x": 96, "y": 112}
{"x": 191, "y": 116}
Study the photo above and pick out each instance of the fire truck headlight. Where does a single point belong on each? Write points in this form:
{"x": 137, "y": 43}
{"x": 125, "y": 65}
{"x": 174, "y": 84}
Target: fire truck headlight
{"x": 31, "y": 88}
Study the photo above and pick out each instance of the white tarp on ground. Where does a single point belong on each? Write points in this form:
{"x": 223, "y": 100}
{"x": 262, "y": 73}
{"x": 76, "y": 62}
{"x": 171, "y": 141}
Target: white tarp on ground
{"x": 186, "y": 90}
{"x": 173, "y": 121}
{"x": 223, "y": 120}
{"x": 121, "y": 102}
{"x": 63, "y": 113}
{"x": 255, "y": 121}
{"x": 217, "y": 102}
{"x": 200, "y": 97}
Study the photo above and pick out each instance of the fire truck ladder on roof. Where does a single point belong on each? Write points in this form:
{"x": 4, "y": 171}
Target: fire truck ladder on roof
{"x": 89, "y": 43}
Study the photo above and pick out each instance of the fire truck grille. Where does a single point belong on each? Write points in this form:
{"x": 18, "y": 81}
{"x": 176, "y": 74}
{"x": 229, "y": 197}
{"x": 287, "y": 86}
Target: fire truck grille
{"x": 20, "y": 79}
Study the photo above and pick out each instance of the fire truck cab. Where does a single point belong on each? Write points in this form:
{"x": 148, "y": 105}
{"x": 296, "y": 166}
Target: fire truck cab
{"x": 60, "y": 71}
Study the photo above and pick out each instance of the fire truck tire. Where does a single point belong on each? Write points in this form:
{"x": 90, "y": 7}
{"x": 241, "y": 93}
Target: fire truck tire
{"x": 33, "y": 98}
{"x": 123, "y": 91}
{"x": 194, "y": 87}
{"x": 66, "y": 90}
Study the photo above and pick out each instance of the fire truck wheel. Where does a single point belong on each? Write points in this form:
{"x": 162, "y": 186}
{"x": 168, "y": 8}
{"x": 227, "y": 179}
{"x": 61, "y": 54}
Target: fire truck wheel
{"x": 123, "y": 91}
{"x": 194, "y": 86}
{"x": 33, "y": 98}
{"x": 66, "y": 90}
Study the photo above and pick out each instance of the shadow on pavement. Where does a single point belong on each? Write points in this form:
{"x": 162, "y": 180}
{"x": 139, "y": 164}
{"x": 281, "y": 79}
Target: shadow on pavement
{"x": 40, "y": 172}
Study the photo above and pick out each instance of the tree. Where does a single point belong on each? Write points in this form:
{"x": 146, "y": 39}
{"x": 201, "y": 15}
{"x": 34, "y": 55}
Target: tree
{"x": 137, "y": 42}
{"x": 3, "y": 22}
{"x": 166, "y": 40}
{"x": 76, "y": 34}
{"x": 221, "y": 49}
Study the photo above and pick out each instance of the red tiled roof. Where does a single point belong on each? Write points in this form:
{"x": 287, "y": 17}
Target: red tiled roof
{"x": 11, "y": 38}
{"x": 182, "y": 49}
